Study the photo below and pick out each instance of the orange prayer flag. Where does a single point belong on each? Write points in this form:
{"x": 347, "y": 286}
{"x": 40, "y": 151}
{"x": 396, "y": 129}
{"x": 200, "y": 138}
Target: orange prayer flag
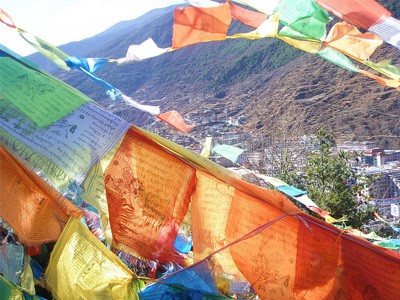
{"x": 248, "y": 17}
{"x": 361, "y": 13}
{"x": 349, "y": 40}
{"x": 35, "y": 210}
{"x": 148, "y": 192}
{"x": 195, "y": 24}
{"x": 174, "y": 119}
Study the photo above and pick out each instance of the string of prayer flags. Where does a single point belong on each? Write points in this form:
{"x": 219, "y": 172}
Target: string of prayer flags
{"x": 82, "y": 265}
{"x": 195, "y": 25}
{"x": 42, "y": 211}
{"x": 349, "y": 40}
{"x": 303, "y": 19}
{"x": 251, "y": 18}
{"x": 174, "y": 119}
{"x": 295, "y": 193}
{"x": 266, "y": 7}
{"x": 148, "y": 192}
{"x": 360, "y": 13}
{"x": 145, "y": 50}
{"x": 229, "y": 152}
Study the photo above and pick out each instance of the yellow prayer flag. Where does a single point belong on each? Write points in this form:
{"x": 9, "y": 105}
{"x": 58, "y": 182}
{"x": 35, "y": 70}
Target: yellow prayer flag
{"x": 308, "y": 46}
{"x": 349, "y": 40}
{"x": 81, "y": 267}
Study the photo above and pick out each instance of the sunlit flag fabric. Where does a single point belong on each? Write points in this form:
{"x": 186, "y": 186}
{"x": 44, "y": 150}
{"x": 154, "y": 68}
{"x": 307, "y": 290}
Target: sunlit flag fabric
{"x": 338, "y": 59}
{"x": 194, "y": 282}
{"x": 205, "y": 152}
{"x": 148, "y": 192}
{"x": 229, "y": 152}
{"x": 349, "y": 40}
{"x": 52, "y": 53}
{"x": 81, "y": 267}
{"x": 389, "y": 30}
{"x": 174, "y": 119}
{"x": 89, "y": 64}
{"x": 11, "y": 261}
{"x": 248, "y": 17}
{"x": 151, "y": 109}
{"x": 143, "y": 51}
{"x": 37, "y": 212}
{"x": 303, "y": 19}
{"x": 360, "y": 13}
{"x": 27, "y": 88}
{"x": 195, "y": 24}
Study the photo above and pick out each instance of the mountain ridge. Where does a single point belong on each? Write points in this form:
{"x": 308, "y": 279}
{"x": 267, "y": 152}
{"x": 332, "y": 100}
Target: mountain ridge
{"x": 272, "y": 85}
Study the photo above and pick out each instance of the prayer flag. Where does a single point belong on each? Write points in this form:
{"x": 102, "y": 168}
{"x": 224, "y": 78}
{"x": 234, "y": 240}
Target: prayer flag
{"x": 389, "y": 30}
{"x": 195, "y": 25}
{"x": 89, "y": 64}
{"x": 360, "y": 13}
{"x": 148, "y": 192}
{"x": 52, "y": 53}
{"x": 41, "y": 97}
{"x": 248, "y": 17}
{"x": 338, "y": 59}
{"x": 174, "y": 119}
{"x": 80, "y": 265}
{"x": 349, "y": 40}
{"x": 229, "y": 152}
{"x": 205, "y": 152}
{"x": 269, "y": 28}
{"x": 37, "y": 212}
{"x": 154, "y": 110}
{"x": 303, "y": 19}
{"x": 145, "y": 50}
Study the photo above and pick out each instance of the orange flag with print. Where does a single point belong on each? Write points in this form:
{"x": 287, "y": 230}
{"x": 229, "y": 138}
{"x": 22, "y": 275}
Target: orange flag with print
{"x": 349, "y": 40}
{"x": 148, "y": 192}
{"x": 195, "y": 24}
{"x": 35, "y": 210}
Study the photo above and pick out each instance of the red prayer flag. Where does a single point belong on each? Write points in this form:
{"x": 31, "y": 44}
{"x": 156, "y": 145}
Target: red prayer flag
{"x": 196, "y": 24}
{"x": 248, "y": 17}
{"x": 361, "y": 13}
{"x": 174, "y": 119}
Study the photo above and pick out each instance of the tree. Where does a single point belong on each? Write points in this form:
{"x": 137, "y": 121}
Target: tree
{"x": 332, "y": 184}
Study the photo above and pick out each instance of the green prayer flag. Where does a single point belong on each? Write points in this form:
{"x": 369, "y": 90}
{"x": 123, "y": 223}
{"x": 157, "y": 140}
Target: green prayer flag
{"x": 303, "y": 19}
{"x": 229, "y": 152}
{"x": 338, "y": 59}
{"x": 40, "y": 97}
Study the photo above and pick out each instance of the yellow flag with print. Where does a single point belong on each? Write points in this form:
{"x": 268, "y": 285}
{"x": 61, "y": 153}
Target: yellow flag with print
{"x": 81, "y": 267}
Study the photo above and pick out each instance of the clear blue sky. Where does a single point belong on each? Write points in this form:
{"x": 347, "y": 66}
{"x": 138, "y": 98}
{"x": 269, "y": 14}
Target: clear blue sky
{"x": 62, "y": 21}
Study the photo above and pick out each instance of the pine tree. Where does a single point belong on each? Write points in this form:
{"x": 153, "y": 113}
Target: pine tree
{"x": 332, "y": 184}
